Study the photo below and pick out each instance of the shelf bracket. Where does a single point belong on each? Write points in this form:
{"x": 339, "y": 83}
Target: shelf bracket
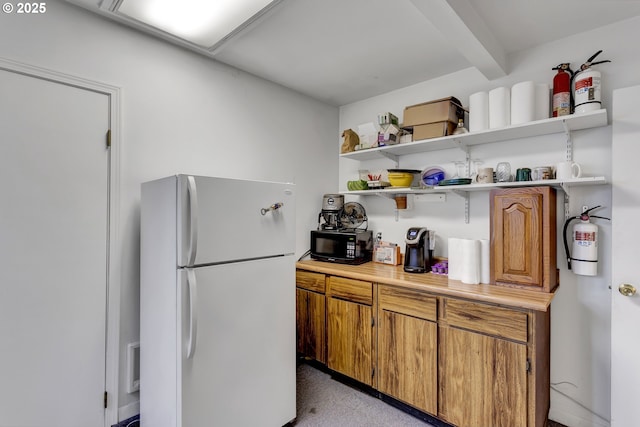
{"x": 391, "y": 156}
{"x": 465, "y": 196}
{"x": 458, "y": 142}
{"x": 568, "y": 143}
{"x": 568, "y": 157}
{"x": 467, "y": 168}
{"x": 386, "y": 195}
{"x": 391, "y": 196}
{"x": 565, "y": 189}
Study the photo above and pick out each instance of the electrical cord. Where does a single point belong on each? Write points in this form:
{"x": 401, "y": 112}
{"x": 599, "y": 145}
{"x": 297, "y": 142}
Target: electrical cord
{"x": 305, "y": 255}
{"x": 554, "y": 388}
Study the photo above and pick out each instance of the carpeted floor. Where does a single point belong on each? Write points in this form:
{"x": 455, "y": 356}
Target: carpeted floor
{"x": 323, "y": 401}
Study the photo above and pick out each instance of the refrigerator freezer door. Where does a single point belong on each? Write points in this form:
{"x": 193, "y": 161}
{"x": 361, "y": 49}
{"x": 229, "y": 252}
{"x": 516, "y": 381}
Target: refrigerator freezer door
{"x": 243, "y": 369}
{"x": 221, "y": 220}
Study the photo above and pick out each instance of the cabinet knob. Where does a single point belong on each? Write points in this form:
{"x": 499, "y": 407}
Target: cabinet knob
{"x": 627, "y": 290}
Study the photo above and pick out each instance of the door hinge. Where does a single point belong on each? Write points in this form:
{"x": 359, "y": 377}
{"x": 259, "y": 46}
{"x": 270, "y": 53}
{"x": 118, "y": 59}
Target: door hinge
{"x": 105, "y": 400}
{"x": 528, "y": 365}
{"x": 109, "y": 138}
{"x": 373, "y": 322}
{"x": 373, "y": 372}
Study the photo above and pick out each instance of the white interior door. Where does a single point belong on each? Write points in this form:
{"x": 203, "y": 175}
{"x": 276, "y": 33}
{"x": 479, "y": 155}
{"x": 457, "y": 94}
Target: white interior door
{"x": 53, "y": 252}
{"x": 625, "y": 310}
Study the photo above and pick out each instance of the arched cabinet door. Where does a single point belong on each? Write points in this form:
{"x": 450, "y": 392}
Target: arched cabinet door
{"x": 523, "y": 238}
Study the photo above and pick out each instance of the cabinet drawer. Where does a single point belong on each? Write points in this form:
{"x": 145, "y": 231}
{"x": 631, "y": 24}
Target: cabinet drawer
{"x": 491, "y": 320}
{"x": 407, "y": 301}
{"x": 310, "y": 281}
{"x": 351, "y": 290}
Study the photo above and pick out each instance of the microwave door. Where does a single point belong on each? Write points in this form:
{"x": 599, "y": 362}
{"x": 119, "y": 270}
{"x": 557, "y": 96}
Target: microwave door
{"x": 329, "y": 247}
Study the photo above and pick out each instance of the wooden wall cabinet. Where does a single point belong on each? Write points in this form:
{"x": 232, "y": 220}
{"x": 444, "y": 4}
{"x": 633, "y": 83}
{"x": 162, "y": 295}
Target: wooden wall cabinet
{"x": 311, "y": 315}
{"x": 523, "y": 238}
{"x": 350, "y": 323}
{"x": 408, "y": 346}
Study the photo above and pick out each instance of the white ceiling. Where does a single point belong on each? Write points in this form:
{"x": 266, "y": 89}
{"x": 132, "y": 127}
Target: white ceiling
{"x": 341, "y": 51}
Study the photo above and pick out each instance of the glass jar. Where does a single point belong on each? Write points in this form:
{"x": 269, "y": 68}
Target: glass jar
{"x": 460, "y": 129}
{"x": 503, "y": 172}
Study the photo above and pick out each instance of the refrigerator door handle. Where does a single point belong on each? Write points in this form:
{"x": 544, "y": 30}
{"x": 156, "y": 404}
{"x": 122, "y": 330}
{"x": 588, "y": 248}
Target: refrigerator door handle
{"x": 193, "y": 220}
{"x": 193, "y": 313}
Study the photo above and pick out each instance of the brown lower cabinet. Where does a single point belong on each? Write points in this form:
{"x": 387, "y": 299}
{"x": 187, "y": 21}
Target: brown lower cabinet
{"x": 472, "y": 362}
{"x": 350, "y": 326}
{"x": 408, "y": 347}
{"x": 467, "y": 362}
{"x": 483, "y": 356}
{"x": 311, "y": 315}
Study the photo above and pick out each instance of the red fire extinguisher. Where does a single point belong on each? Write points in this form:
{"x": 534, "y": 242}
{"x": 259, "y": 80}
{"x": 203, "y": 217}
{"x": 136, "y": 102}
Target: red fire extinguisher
{"x": 562, "y": 90}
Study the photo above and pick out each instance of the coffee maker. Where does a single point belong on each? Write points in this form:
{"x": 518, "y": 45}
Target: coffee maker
{"x": 329, "y": 216}
{"x": 418, "y": 252}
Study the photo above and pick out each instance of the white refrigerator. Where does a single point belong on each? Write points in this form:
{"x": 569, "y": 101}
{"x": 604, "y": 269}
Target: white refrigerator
{"x": 217, "y": 303}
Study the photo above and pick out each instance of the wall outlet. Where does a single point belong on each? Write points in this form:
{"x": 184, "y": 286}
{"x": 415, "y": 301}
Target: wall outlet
{"x": 133, "y": 367}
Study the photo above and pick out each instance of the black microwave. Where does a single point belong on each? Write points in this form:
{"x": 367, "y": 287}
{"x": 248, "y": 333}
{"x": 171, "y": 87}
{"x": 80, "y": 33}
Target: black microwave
{"x": 346, "y": 247}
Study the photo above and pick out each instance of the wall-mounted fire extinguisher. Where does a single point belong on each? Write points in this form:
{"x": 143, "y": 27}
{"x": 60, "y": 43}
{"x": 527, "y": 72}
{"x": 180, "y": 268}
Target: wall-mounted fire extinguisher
{"x": 586, "y": 86}
{"x": 583, "y": 259}
{"x": 562, "y": 90}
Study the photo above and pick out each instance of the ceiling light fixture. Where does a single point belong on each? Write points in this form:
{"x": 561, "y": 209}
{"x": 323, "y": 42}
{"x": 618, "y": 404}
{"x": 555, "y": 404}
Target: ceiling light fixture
{"x": 205, "y": 23}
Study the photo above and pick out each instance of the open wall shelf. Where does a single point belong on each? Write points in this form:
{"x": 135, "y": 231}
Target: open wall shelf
{"x": 562, "y": 185}
{"x": 564, "y": 124}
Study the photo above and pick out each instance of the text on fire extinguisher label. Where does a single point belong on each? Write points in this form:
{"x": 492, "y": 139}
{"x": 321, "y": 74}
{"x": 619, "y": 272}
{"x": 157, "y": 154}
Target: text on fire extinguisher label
{"x": 588, "y": 236}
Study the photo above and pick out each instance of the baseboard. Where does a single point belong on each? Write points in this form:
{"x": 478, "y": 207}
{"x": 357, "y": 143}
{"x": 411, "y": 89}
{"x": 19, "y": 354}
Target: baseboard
{"x": 566, "y": 418}
{"x": 128, "y": 411}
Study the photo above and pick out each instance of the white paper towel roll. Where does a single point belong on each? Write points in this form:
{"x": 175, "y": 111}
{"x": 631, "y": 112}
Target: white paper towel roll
{"x": 455, "y": 258}
{"x": 485, "y": 266}
{"x": 499, "y": 107}
{"x": 479, "y": 111}
{"x": 542, "y": 101}
{"x": 523, "y": 102}
{"x": 470, "y": 262}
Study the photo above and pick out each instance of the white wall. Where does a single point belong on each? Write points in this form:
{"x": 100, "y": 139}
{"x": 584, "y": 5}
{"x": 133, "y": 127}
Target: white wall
{"x": 181, "y": 113}
{"x": 581, "y": 327}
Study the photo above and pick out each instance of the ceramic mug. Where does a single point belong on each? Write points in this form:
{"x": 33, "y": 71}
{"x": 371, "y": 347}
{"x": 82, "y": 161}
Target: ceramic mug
{"x": 541, "y": 172}
{"x": 485, "y": 176}
{"x": 568, "y": 170}
{"x": 523, "y": 174}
